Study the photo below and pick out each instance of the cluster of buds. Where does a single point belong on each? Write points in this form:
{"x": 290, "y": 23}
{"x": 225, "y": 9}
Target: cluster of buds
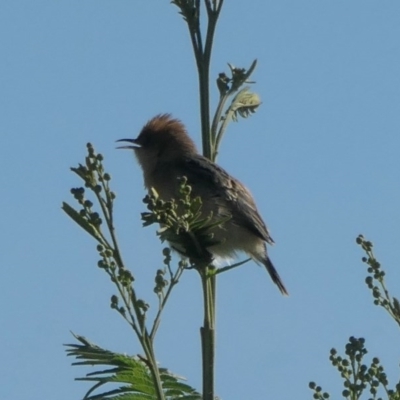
{"x": 182, "y": 224}
{"x": 375, "y": 281}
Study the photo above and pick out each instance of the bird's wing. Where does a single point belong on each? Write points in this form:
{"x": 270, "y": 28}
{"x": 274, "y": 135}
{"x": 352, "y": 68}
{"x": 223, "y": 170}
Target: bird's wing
{"x": 209, "y": 179}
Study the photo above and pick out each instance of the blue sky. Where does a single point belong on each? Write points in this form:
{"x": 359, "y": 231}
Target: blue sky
{"x": 325, "y": 145}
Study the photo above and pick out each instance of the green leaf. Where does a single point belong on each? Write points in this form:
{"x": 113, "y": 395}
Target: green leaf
{"x": 244, "y": 104}
{"x": 132, "y": 373}
{"x": 81, "y": 221}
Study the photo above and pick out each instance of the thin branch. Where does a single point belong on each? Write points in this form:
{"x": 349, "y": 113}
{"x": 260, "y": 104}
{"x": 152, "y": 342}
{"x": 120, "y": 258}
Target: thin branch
{"x": 157, "y": 319}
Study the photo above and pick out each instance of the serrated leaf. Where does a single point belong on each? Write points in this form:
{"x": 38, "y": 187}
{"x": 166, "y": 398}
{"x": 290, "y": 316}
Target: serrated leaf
{"x": 131, "y": 372}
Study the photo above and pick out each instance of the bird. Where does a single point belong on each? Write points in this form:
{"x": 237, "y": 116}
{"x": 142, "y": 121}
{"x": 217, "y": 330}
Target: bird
{"x": 166, "y": 152}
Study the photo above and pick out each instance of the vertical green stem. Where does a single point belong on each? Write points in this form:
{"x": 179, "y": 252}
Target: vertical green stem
{"x": 208, "y": 332}
{"x": 205, "y": 109}
{"x": 208, "y": 280}
{"x": 203, "y": 57}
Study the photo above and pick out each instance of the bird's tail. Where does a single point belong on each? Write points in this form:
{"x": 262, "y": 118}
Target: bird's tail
{"x": 275, "y": 276}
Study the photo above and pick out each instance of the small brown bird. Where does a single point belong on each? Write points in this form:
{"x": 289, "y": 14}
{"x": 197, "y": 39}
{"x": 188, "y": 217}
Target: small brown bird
{"x": 166, "y": 152}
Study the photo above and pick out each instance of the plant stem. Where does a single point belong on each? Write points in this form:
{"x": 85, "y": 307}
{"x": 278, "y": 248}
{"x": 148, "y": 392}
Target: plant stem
{"x": 143, "y": 336}
{"x": 174, "y": 281}
{"x": 147, "y": 345}
{"x": 203, "y": 58}
{"x": 213, "y": 11}
{"x": 208, "y": 280}
{"x": 208, "y": 332}
{"x": 216, "y": 121}
{"x": 205, "y": 110}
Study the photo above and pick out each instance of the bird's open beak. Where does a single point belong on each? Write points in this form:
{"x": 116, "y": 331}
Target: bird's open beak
{"x": 134, "y": 145}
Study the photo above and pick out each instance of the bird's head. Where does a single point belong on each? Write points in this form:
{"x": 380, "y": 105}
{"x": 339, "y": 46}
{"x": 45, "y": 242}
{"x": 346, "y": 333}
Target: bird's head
{"x": 163, "y": 139}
